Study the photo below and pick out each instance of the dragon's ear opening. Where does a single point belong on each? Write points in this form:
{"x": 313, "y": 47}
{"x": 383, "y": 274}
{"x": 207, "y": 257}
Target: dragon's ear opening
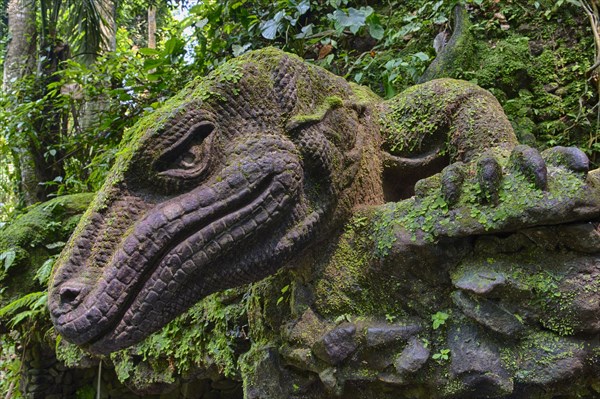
{"x": 401, "y": 174}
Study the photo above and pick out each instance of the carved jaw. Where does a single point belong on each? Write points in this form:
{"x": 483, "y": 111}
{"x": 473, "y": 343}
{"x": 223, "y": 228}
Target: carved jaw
{"x": 217, "y": 192}
{"x": 176, "y": 252}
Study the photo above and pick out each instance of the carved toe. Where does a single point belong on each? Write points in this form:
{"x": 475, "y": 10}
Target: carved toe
{"x": 570, "y": 157}
{"x": 489, "y": 176}
{"x": 453, "y": 177}
{"x": 529, "y": 162}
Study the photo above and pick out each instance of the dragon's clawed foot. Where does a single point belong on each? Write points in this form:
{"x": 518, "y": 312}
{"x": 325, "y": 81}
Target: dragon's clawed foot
{"x": 491, "y": 169}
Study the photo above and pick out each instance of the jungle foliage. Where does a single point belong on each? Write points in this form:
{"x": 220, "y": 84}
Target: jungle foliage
{"x": 534, "y": 57}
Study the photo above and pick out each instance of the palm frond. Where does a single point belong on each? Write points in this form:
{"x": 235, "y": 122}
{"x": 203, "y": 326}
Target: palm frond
{"x": 91, "y": 22}
{"x": 35, "y": 304}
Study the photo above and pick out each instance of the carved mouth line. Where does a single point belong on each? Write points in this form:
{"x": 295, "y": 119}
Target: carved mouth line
{"x": 248, "y": 201}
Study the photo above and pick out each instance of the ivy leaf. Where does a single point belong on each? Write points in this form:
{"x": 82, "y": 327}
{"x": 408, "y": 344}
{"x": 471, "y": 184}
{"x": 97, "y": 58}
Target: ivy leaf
{"x": 353, "y": 20}
{"x": 340, "y": 19}
{"x": 54, "y": 245}
{"x": 269, "y": 28}
{"x": 440, "y": 19}
{"x": 357, "y": 19}
{"x": 303, "y": 7}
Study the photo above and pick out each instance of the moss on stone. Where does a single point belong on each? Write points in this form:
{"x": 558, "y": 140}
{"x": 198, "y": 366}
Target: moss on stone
{"x": 444, "y": 115}
{"x": 330, "y": 103}
{"x": 430, "y": 215}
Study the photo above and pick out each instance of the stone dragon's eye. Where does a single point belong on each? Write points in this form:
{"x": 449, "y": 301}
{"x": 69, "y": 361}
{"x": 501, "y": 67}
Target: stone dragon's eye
{"x": 188, "y": 158}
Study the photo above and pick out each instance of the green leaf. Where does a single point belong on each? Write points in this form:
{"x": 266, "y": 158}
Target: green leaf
{"x": 43, "y": 273}
{"x": 305, "y": 32}
{"x": 238, "y": 50}
{"x": 440, "y": 19}
{"x": 54, "y": 245}
{"x": 32, "y": 300}
{"x": 9, "y": 258}
{"x": 422, "y": 56}
{"x": 354, "y": 19}
{"x": 303, "y": 7}
{"x": 269, "y": 29}
{"x": 148, "y": 51}
{"x": 172, "y": 46}
{"x": 439, "y": 319}
{"x": 152, "y": 64}
{"x": 376, "y": 31}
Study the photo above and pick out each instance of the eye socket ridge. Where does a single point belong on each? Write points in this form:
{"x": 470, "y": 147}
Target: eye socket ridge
{"x": 188, "y": 157}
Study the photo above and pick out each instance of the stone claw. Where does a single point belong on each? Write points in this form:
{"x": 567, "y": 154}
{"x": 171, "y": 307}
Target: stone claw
{"x": 570, "y": 157}
{"x": 489, "y": 176}
{"x": 529, "y": 162}
{"x": 452, "y": 180}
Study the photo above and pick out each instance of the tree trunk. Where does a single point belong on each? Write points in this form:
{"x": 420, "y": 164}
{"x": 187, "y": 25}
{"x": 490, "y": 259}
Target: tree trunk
{"x": 151, "y": 27}
{"x": 18, "y": 63}
{"x": 20, "y": 52}
{"x": 108, "y": 8}
{"x": 94, "y": 108}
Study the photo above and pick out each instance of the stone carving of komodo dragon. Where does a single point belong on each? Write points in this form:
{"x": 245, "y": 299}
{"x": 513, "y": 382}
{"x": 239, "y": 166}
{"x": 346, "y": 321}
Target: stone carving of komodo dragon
{"x": 268, "y": 156}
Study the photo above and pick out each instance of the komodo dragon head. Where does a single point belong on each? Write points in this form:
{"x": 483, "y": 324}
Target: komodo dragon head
{"x": 218, "y": 188}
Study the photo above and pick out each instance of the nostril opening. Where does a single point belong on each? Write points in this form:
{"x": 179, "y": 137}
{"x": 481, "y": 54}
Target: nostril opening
{"x": 69, "y": 294}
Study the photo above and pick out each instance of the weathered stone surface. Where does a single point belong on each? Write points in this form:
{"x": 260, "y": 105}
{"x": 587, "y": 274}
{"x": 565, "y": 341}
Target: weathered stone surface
{"x": 476, "y": 362}
{"x": 550, "y": 361}
{"x": 390, "y": 334}
{"x": 529, "y": 162}
{"x": 267, "y": 379}
{"x": 329, "y": 379}
{"x": 571, "y": 157}
{"x": 412, "y": 358}
{"x": 488, "y": 314}
{"x": 480, "y": 282}
{"x": 307, "y": 329}
{"x": 336, "y": 345}
{"x": 453, "y": 177}
{"x": 582, "y": 237}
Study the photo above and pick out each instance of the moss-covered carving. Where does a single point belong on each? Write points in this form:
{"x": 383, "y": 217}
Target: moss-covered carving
{"x": 261, "y": 165}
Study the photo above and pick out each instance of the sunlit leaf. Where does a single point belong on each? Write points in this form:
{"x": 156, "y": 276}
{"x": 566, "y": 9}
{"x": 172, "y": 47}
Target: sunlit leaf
{"x": 376, "y": 31}
{"x": 238, "y": 50}
{"x": 9, "y": 258}
{"x": 148, "y": 51}
{"x": 269, "y": 29}
{"x": 303, "y": 7}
